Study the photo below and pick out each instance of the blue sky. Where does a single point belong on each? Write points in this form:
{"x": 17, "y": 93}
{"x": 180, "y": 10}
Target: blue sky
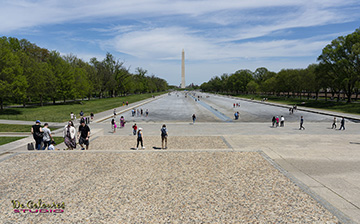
{"x": 217, "y": 36}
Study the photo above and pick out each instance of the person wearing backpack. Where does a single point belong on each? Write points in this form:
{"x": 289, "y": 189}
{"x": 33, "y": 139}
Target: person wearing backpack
{"x": 164, "y": 135}
{"x": 37, "y": 132}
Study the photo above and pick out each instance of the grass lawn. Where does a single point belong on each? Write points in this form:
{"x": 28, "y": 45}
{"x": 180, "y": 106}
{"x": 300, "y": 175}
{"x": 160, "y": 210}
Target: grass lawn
{"x": 353, "y": 108}
{"x": 61, "y": 113}
{"x": 18, "y": 128}
{"x": 58, "y": 140}
{"x": 5, "y": 140}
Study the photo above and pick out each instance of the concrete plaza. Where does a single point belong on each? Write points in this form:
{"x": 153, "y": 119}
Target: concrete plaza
{"x": 216, "y": 170}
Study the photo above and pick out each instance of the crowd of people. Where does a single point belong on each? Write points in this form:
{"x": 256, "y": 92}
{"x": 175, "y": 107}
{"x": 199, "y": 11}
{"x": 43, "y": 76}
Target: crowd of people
{"x": 72, "y": 137}
{"x": 44, "y": 139}
{"x": 278, "y": 121}
{"x": 140, "y": 137}
{"x": 139, "y": 112}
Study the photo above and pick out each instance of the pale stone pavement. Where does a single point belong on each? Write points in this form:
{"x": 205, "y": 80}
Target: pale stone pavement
{"x": 323, "y": 162}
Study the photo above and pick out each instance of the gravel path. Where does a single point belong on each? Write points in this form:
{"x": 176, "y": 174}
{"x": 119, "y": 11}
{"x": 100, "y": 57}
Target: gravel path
{"x": 155, "y": 187}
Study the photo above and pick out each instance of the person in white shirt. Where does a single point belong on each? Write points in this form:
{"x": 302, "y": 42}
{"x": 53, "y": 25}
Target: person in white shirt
{"x": 51, "y": 146}
{"x": 46, "y": 136}
{"x": 282, "y": 120}
{"x": 70, "y": 135}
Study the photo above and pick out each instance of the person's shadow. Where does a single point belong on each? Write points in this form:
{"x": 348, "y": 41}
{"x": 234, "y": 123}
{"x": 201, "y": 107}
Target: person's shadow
{"x": 156, "y": 148}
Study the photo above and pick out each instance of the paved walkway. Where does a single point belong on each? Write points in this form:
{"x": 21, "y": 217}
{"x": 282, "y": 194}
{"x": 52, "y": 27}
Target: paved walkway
{"x": 325, "y": 163}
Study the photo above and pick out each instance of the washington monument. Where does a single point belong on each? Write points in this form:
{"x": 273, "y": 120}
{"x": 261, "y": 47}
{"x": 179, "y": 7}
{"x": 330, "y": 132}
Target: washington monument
{"x": 183, "y": 69}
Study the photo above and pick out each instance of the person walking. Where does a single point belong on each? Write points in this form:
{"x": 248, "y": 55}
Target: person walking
{"x": 84, "y": 135}
{"x": 72, "y": 116}
{"x": 92, "y": 116}
{"x": 342, "y": 122}
{"x": 122, "y": 122}
{"x": 69, "y": 135}
{"x": 194, "y": 118}
{"x": 140, "y": 139}
{"x": 164, "y": 135}
{"x": 113, "y": 125}
{"x": 301, "y": 123}
{"x": 47, "y": 136}
{"x": 134, "y": 129}
{"x": 114, "y": 112}
{"x": 282, "y": 120}
{"x": 277, "y": 121}
{"x": 273, "y": 121}
{"x": 37, "y": 133}
{"x": 334, "y": 124}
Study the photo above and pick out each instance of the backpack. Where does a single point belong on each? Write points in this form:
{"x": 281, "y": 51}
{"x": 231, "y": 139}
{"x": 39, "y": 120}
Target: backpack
{"x": 39, "y": 134}
{"x": 163, "y": 132}
{"x": 30, "y": 146}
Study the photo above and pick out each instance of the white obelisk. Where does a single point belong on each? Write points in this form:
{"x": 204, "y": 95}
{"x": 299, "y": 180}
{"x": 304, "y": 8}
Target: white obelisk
{"x": 183, "y": 69}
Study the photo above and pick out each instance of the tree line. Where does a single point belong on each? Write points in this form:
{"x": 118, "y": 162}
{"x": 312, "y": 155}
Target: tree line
{"x": 338, "y": 71}
{"x": 29, "y": 73}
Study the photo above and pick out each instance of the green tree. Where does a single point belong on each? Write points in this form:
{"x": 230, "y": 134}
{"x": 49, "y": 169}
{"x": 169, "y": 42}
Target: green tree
{"x": 240, "y": 79}
{"x": 260, "y": 75}
{"x": 341, "y": 61}
{"x": 252, "y": 86}
{"x": 12, "y": 81}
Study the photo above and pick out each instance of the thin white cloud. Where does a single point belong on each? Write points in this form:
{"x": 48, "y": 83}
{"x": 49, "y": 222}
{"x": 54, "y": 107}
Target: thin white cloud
{"x": 166, "y": 44}
{"x": 209, "y": 31}
{"x": 26, "y": 14}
